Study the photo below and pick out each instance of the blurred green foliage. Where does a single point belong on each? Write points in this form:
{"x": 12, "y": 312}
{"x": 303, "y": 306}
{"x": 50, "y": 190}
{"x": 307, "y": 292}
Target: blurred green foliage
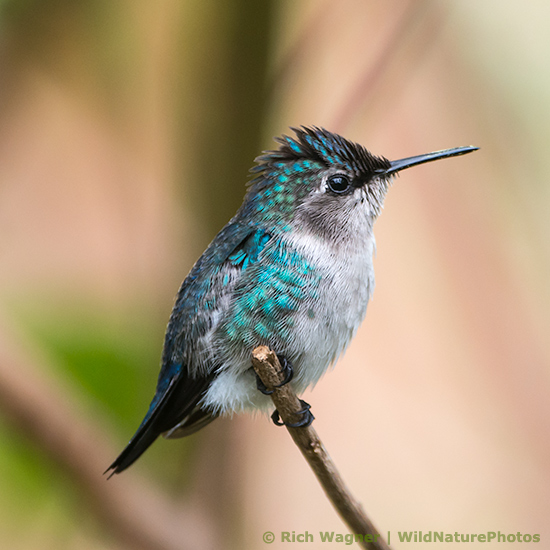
{"x": 37, "y": 499}
{"x": 111, "y": 355}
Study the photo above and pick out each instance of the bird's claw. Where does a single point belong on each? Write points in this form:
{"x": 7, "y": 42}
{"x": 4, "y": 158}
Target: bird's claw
{"x": 306, "y": 417}
{"x": 261, "y": 386}
{"x": 287, "y": 371}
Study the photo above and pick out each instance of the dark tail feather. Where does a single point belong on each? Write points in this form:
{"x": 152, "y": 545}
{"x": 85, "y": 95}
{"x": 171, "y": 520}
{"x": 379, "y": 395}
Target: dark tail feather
{"x": 146, "y": 434}
{"x": 165, "y": 414}
{"x": 141, "y": 441}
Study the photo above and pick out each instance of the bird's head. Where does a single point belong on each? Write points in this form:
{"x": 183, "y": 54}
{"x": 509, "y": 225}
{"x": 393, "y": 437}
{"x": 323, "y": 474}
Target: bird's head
{"x": 324, "y": 183}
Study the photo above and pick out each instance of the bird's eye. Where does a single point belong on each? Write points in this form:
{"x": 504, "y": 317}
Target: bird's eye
{"x": 339, "y": 184}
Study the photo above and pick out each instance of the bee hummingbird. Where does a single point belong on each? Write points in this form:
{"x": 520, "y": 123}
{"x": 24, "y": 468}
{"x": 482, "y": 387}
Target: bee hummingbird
{"x": 291, "y": 270}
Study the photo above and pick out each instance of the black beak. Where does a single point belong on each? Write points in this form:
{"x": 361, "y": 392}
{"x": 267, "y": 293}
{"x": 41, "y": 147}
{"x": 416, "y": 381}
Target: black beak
{"x": 401, "y": 164}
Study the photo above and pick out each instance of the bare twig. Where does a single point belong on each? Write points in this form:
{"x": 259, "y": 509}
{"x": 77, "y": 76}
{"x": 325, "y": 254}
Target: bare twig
{"x": 266, "y": 364}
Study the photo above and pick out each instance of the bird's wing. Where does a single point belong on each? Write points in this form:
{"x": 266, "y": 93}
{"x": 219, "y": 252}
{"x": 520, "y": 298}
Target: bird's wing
{"x": 182, "y": 383}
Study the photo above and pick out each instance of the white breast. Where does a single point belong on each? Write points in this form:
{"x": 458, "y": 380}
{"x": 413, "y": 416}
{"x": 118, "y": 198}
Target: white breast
{"x": 347, "y": 282}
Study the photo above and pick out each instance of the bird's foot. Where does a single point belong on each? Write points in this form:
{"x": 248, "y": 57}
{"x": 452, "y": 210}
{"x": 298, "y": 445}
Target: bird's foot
{"x": 306, "y": 417}
{"x": 261, "y": 386}
{"x": 288, "y": 372}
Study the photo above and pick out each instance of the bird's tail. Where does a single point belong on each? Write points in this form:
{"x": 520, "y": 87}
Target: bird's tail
{"x": 172, "y": 410}
{"x": 141, "y": 441}
{"x": 146, "y": 434}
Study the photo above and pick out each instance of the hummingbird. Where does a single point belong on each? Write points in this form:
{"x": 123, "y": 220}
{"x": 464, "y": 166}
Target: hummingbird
{"x": 292, "y": 270}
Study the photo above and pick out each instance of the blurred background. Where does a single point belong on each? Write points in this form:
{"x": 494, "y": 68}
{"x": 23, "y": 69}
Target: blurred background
{"x": 126, "y": 132}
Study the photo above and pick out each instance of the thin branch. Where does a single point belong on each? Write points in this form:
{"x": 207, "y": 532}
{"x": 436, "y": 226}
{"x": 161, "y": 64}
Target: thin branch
{"x": 288, "y": 405}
